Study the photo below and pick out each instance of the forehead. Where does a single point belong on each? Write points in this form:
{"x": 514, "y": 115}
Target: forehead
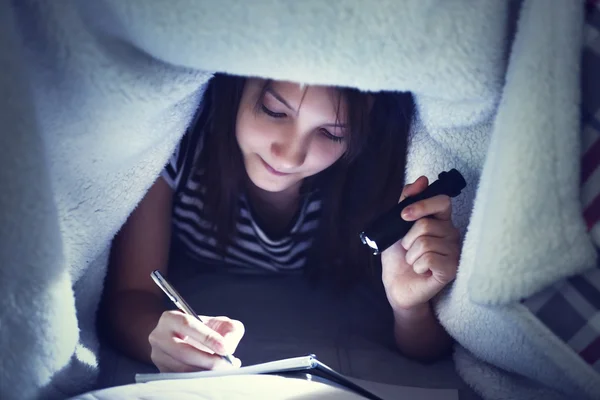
{"x": 325, "y": 99}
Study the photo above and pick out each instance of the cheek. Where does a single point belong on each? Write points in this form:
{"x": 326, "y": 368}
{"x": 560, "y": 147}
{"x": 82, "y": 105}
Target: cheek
{"x": 325, "y": 153}
{"x": 250, "y": 133}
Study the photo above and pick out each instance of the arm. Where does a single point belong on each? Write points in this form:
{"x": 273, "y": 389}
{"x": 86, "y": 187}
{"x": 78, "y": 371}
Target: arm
{"x": 133, "y": 303}
{"x": 416, "y": 269}
{"x": 134, "y": 309}
{"x": 419, "y": 335}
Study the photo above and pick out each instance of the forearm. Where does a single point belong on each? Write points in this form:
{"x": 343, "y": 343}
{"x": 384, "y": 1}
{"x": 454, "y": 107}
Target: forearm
{"x": 131, "y": 316}
{"x": 419, "y": 335}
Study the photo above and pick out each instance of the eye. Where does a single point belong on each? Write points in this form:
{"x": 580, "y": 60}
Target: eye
{"x": 330, "y": 136}
{"x": 272, "y": 113}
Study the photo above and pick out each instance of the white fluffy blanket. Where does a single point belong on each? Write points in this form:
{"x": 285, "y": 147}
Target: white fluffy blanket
{"x": 95, "y": 95}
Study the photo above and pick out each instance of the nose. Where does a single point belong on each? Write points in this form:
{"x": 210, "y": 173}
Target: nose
{"x": 289, "y": 151}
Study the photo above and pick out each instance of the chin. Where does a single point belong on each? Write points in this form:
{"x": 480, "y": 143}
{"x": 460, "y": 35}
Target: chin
{"x": 268, "y": 186}
{"x": 274, "y": 185}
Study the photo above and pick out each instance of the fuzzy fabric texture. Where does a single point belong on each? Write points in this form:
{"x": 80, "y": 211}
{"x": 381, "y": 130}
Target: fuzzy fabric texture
{"x": 526, "y": 231}
{"x": 100, "y": 92}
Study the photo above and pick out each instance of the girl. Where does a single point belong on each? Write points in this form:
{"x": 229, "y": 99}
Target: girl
{"x": 280, "y": 177}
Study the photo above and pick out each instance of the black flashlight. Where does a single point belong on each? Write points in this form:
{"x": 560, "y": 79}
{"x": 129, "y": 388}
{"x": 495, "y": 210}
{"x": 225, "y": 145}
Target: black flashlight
{"x": 389, "y": 227}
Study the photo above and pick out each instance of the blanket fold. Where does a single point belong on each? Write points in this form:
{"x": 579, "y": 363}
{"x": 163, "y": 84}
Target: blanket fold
{"x": 33, "y": 279}
{"x": 97, "y": 94}
{"x": 527, "y": 227}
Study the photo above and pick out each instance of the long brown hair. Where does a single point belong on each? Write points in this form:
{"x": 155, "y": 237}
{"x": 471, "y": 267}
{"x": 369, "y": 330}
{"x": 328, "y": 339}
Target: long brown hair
{"x": 363, "y": 183}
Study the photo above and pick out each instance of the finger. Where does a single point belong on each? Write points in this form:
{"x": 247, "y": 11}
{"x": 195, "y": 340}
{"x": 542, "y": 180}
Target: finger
{"x": 183, "y": 351}
{"x": 430, "y": 227}
{"x": 427, "y": 262}
{"x": 207, "y": 359}
{"x": 236, "y": 362}
{"x": 428, "y": 244}
{"x": 439, "y": 207}
{"x": 231, "y": 330}
{"x": 442, "y": 268}
{"x": 183, "y": 325}
{"x": 216, "y": 362}
{"x": 414, "y": 188}
{"x": 166, "y": 363}
{"x": 193, "y": 342}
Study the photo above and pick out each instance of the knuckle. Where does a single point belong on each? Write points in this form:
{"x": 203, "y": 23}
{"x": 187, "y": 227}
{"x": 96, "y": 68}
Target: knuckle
{"x": 423, "y": 242}
{"x": 183, "y": 320}
{"x": 425, "y": 225}
{"x": 429, "y": 259}
{"x": 153, "y": 339}
{"x": 213, "y": 341}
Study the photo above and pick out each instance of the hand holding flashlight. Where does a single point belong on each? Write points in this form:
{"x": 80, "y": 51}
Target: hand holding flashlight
{"x": 390, "y": 227}
{"x": 425, "y": 260}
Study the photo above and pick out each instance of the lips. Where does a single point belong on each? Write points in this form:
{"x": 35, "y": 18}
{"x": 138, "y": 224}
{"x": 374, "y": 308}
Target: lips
{"x": 272, "y": 170}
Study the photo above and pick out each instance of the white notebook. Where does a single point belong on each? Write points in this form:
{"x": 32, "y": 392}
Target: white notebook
{"x": 310, "y": 364}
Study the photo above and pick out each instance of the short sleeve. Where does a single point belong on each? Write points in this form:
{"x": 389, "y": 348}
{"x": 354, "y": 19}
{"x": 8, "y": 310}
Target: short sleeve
{"x": 172, "y": 171}
{"x": 186, "y": 154}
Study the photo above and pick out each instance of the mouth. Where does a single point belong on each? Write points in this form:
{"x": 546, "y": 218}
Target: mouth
{"x": 272, "y": 170}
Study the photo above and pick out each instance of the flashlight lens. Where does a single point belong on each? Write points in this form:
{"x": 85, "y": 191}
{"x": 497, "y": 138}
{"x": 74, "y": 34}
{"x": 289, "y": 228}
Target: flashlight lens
{"x": 365, "y": 239}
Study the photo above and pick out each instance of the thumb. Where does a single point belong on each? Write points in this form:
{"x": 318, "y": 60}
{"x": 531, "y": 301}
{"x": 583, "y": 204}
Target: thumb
{"x": 414, "y": 188}
{"x": 231, "y": 330}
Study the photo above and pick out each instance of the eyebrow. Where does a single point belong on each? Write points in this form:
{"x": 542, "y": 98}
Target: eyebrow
{"x": 285, "y": 103}
{"x": 279, "y": 98}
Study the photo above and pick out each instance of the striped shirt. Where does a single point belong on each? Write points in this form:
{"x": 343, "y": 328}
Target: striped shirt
{"x": 251, "y": 249}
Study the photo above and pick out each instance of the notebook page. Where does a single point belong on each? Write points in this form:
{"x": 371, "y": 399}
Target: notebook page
{"x": 288, "y": 364}
{"x": 385, "y": 391}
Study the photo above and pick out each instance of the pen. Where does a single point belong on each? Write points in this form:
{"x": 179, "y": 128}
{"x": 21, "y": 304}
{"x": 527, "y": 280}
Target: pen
{"x": 176, "y": 298}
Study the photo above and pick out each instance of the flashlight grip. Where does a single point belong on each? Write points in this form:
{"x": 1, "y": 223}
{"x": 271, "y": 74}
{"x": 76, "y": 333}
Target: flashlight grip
{"x": 388, "y": 228}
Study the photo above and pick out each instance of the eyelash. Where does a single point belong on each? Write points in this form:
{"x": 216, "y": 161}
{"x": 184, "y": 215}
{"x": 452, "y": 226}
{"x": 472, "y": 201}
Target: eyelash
{"x": 333, "y": 138}
{"x": 272, "y": 113}
{"x": 324, "y": 132}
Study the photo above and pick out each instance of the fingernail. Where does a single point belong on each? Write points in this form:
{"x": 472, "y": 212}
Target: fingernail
{"x": 237, "y": 363}
{"x": 406, "y": 213}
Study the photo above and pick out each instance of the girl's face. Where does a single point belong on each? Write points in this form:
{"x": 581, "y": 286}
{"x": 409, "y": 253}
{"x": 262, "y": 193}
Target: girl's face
{"x": 293, "y": 132}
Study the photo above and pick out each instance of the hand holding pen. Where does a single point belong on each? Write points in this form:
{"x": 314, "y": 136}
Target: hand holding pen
{"x": 184, "y": 341}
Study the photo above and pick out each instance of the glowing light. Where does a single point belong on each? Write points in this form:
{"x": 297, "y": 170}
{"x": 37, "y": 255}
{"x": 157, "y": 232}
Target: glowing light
{"x": 365, "y": 239}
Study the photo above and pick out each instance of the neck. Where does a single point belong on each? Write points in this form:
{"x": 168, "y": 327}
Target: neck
{"x": 274, "y": 210}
